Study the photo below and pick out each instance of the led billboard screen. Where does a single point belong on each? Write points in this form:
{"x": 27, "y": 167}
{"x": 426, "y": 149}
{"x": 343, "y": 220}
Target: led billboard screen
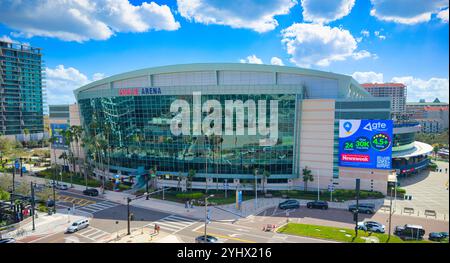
{"x": 365, "y": 143}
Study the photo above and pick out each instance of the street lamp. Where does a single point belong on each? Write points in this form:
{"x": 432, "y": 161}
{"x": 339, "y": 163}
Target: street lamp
{"x": 206, "y": 213}
{"x": 256, "y": 188}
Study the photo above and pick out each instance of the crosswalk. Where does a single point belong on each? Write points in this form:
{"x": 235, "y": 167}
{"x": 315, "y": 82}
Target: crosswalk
{"x": 94, "y": 234}
{"x": 173, "y": 223}
{"x": 93, "y": 208}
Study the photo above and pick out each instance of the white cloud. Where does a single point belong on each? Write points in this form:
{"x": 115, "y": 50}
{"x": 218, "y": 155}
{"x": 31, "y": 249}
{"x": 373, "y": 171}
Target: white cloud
{"x": 324, "y": 11}
{"x": 276, "y": 61}
{"x": 368, "y": 77}
{"x": 443, "y": 15}
{"x": 365, "y": 33}
{"x": 379, "y": 35}
{"x": 253, "y": 59}
{"x": 315, "y": 44}
{"x": 425, "y": 89}
{"x": 61, "y": 82}
{"x": 406, "y": 11}
{"x": 5, "y": 38}
{"x": 82, "y": 20}
{"x": 361, "y": 54}
{"x": 252, "y": 14}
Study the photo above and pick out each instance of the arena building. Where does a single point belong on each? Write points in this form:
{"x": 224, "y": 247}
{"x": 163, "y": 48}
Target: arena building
{"x": 133, "y": 113}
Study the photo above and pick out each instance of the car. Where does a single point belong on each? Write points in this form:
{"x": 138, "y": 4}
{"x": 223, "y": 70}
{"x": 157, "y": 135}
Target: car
{"x": 77, "y": 225}
{"x": 209, "y": 239}
{"x": 409, "y": 231}
{"x": 7, "y": 240}
{"x": 50, "y": 184}
{"x": 289, "y": 204}
{"x": 371, "y": 226}
{"x": 91, "y": 192}
{"x": 62, "y": 186}
{"x": 50, "y": 203}
{"x": 437, "y": 236}
{"x": 363, "y": 208}
{"x": 317, "y": 204}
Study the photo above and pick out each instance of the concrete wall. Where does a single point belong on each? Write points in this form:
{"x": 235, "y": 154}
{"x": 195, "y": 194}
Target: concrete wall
{"x": 316, "y": 142}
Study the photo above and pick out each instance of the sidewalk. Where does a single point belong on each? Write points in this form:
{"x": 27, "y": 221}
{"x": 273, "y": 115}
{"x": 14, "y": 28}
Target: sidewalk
{"x": 248, "y": 207}
{"x": 44, "y": 225}
{"x": 142, "y": 235}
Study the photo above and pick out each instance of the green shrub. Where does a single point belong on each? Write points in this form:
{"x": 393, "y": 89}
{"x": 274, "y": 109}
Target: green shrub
{"x": 196, "y": 195}
{"x": 432, "y": 166}
{"x": 4, "y": 195}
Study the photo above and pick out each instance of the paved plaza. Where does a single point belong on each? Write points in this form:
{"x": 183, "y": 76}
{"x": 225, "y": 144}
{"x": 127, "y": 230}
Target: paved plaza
{"x": 429, "y": 191}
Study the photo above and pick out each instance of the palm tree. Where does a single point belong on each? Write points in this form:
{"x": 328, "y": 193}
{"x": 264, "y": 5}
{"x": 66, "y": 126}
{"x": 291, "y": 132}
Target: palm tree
{"x": 266, "y": 174}
{"x": 53, "y": 140}
{"x": 87, "y": 144}
{"x": 191, "y": 176}
{"x": 68, "y": 139}
{"x": 307, "y": 177}
{"x": 77, "y": 132}
{"x": 26, "y": 132}
{"x": 435, "y": 150}
{"x": 65, "y": 157}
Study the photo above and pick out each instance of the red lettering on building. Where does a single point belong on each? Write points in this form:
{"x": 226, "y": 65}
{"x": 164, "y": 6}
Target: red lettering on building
{"x": 128, "y": 92}
{"x": 361, "y": 158}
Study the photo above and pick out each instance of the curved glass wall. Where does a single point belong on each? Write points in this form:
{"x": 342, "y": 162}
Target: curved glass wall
{"x": 138, "y": 130}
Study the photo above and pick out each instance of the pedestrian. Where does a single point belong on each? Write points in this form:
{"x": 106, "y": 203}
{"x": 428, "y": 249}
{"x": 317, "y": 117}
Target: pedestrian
{"x": 186, "y": 204}
{"x": 446, "y": 170}
{"x": 192, "y": 203}
{"x": 157, "y": 229}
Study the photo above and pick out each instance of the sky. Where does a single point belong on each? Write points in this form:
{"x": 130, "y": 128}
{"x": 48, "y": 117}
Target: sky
{"x": 403, "y": 41}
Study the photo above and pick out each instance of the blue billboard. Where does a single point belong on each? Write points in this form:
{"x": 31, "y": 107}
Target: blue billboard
{"x": 57, "y": 130}
{"x": 365, "y": 144}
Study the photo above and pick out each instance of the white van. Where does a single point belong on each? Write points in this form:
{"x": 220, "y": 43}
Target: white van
{"x": 78, "y": 225}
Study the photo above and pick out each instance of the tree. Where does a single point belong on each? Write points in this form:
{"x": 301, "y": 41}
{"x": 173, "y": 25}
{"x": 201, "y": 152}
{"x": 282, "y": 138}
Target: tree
{"x": 5, "y": 182}
{"x": 307, "y": 177}
{"x": 435, "y": 150}
{"x": 190, "y": 178}
{"x": 65, "y": 157}
{"x": 266, "y": 174}
{"x": 77, "y": 132}
{"x": 26, "y": 132}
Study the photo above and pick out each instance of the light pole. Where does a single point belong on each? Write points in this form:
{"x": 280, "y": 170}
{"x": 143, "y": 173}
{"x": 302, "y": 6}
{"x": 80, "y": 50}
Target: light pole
{"x": 256, "y": 188}
{"x": 32, "y": 204}
{"x": 318, "y": 181}
{"x": 390, "y": 215}
{"x": 128, "y": 215}
{"x": 206, "y": 214}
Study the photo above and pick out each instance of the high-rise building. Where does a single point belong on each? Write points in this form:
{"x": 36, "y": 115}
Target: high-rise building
{"x": 433, "y": 116}
{"x": 21, "y": 92}
{"x": 395, "y": 91}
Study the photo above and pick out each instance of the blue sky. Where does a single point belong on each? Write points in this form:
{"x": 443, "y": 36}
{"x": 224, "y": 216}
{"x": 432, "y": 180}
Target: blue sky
{"x": 373, "y": 40}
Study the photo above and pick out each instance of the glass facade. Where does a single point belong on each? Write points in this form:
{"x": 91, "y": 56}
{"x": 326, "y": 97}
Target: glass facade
{"x": 140, "y": 135}
{"x": 21, "y": 93}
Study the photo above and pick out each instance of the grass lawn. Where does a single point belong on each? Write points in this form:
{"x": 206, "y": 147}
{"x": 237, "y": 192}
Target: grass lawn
{"x": 338, "y": 234}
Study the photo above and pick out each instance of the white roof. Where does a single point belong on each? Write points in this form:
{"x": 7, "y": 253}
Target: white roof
{"x": 419, "y": 148}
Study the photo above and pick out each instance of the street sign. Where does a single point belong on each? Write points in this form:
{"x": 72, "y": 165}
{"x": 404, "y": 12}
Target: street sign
{"x": 16, "y": 164}
{"x": 330, "y": 188}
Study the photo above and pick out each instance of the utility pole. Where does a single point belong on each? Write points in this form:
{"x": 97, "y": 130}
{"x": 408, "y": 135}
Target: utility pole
{"x": 32, "y": 204}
